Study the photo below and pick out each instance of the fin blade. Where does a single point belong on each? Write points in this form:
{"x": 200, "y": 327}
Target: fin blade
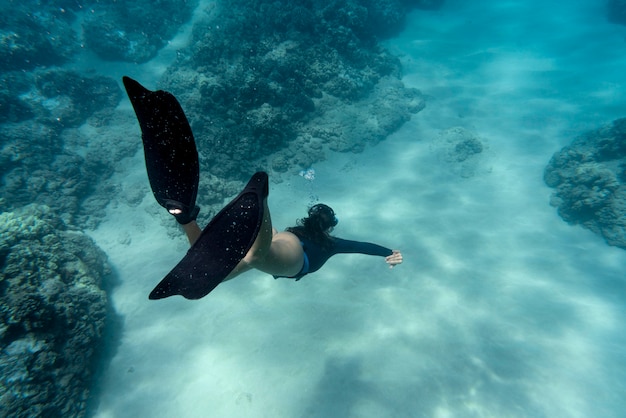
{"x": 169, "y": 146}
{"x": 222, "y": 245}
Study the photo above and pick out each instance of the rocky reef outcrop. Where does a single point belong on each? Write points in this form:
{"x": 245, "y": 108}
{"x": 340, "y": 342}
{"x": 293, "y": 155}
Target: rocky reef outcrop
{"x": 463, "y": 152}
{"x": 42, "y": 158}
{"x": 35, "y": 33}
{"x": 53, "y": 313}
{"x": 589, "y": 178}
{"x": 133, "y": 31}
{"x": 273, "y": 84}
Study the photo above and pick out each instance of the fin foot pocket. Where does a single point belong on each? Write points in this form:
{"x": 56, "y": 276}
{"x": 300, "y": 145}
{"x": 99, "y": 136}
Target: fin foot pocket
{"x": 181, "y": 212}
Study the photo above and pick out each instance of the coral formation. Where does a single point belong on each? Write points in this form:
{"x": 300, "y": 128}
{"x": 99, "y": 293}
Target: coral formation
{"x": 589, "y": 177}
{"x": 261, "y": 80}
{"x": 268, "y": 85}
{"x": 133, "y": 31}
{"x": 36, "y": 162}
{"x": 53, "y": 312}
{"x": 35, "y": 33}
{"x": 32, "y": 35}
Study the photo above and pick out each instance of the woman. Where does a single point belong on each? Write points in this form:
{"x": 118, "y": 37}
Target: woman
{"x": 301, "y": 249}
{"x": 238, "y": 238}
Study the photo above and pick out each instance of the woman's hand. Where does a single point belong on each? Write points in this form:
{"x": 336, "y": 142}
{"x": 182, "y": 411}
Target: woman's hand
{"x": 394, "y": 259}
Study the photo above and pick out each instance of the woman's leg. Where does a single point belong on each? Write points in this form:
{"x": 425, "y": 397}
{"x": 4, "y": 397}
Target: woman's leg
{"x": 193, "y": 231}
{"x": 261, "y": 245}
{"x": 278, "y": 253}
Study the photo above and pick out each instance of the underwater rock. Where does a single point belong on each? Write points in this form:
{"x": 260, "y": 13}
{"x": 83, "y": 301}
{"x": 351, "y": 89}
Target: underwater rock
{"x": 48, "y": 161}
{"x": 39, "y": 107}
{"x": 259, "y": 78}
{"x": 34, "y": 34}
{"x": 353, "y": 125}
{"x": 462, "y": 151}
{"x": 38, "y": 161}
{"x": 55, "y": 97}
{"x": 12, "y": 107}
{"x": 105, "y": 37}
{"x": 589, "y": 178}
{"x": 616, "y": 10}
{"x": 35, "y": 168}
{"x": 68, "y": 98}
{"x": 52, "y": 314}
{"x": 134, "y": 31}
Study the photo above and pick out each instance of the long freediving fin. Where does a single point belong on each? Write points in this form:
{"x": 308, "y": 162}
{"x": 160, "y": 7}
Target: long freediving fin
{"x": 224, "y": 242}
{"x": 169, "y": 148}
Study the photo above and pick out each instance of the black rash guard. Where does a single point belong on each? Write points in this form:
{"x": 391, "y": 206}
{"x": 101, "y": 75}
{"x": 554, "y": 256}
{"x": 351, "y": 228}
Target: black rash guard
{"x": 315, "y": 256}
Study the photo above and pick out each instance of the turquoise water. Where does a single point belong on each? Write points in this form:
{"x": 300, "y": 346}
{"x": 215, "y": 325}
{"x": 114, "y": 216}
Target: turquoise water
{"x": 500, "y": 309}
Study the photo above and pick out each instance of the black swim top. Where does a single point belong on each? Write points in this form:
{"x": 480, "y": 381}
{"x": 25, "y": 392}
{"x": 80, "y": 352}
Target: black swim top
{"x": 317, "y": 255}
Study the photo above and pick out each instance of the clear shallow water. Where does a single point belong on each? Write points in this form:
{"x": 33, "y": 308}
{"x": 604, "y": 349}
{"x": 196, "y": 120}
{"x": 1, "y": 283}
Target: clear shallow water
{"x": 500, "y": 309}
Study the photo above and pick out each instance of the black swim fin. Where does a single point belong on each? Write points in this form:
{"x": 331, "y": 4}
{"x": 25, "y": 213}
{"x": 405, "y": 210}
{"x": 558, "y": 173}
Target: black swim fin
{"x": 169, "y": 148}
{"x": 222, "y": 245}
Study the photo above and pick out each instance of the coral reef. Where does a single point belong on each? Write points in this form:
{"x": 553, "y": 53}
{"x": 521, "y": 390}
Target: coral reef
{"x": 68, "y": 98}
{"x": 32, "y": 35}
{"x": 53, "y": 313}
{"x": 267, "y": 81}
{"x": 134, "y": 31}
{"x": 268, "y": 85}
{"x": 44, "y": 110}
{"x": 35, "y": 33}
{"x": 589, "y": 177}
{"x": 55, "y": 98}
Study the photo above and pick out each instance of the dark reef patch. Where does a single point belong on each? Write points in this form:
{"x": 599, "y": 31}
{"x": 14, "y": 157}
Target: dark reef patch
{"x": 35, "y": 33}
{"x": 39, "y": 162}
{"x": 275, "y": 83}
{"x": 589, "y": 177}
{"x": 134, "y": 31}
{"x": 53, "y": 313}
{"x": 32, "y": 35}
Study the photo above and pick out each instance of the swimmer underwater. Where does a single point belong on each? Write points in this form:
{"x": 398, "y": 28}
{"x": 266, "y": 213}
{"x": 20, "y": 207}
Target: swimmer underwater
{"x": 240, "y": 237}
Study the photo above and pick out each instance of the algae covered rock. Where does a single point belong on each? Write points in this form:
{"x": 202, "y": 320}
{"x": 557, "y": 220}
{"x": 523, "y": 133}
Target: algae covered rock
{"x": 34, "y": 34}
{"x": 589, "y": 178}
{"x": 134, "y": 31}
{"x": 259, "y": 78}
{"x": 462, "y": 152}
{"x": 41, "y": 159}
{"x": 53, "y": 312}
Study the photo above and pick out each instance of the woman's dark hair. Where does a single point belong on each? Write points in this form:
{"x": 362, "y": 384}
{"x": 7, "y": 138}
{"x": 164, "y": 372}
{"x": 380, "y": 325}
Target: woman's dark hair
{"x": 317, "y": 226}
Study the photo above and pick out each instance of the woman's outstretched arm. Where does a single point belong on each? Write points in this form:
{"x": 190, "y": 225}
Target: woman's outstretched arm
{"x": 392, "y": 257}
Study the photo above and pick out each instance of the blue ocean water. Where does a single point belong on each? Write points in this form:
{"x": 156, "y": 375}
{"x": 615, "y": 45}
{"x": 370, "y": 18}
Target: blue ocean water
{"x": 500, "y": 309}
